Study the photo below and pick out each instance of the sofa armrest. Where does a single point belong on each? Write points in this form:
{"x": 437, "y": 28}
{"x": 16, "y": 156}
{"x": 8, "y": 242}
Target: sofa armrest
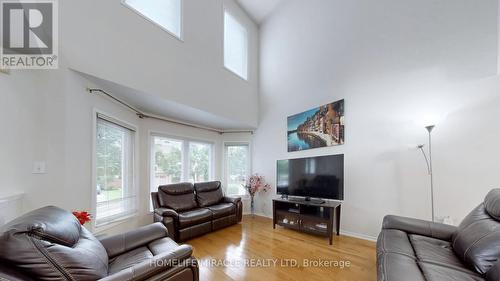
{"x": 121, "y": 243}
{"x": 167, "y": 264}
{"x": 239, "y": 206}
{"x": 234, "y": 200}
{"x": 419, "y": 227}
{"x": 155, "y": 199}
{"x": 166, "y": 212}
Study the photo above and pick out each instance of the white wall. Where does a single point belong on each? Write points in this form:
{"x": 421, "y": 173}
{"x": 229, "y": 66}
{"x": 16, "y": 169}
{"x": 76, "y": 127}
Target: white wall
{"x": 108, "y": 40}
{"x": 394, "y": 62}
{"x": 48, "y": 116}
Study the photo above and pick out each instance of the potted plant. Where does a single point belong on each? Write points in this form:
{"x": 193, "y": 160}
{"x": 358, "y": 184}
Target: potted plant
{"x": 254, "y": 184}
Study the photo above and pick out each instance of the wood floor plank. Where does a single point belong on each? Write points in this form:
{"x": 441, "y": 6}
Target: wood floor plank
{"x": 253, "y": 250}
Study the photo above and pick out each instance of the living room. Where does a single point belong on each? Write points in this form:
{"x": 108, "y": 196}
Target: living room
{"x": 136, "y": 118}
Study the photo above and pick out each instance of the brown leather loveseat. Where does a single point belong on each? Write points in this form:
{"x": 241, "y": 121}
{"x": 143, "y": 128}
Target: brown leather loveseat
{"x": 50, "y": 244}
{"x": 417, "y": 250}
{"x": 190, "y": 210}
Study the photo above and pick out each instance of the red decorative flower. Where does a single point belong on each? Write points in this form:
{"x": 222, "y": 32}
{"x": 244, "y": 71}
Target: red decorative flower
{"x": 83, "y": 217}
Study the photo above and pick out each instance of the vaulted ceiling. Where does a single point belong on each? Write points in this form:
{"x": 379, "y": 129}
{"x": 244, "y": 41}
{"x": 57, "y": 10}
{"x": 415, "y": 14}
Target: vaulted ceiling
{"x": 259, "y": 10}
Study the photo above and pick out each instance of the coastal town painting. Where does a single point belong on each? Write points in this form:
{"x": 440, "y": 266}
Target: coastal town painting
{"x": 319, "y": 127}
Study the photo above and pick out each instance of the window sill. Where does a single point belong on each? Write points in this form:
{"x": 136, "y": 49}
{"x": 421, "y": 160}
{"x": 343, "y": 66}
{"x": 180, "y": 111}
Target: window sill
{"x": 99, "y": 228}
{"x": 243, "y": 197}
{"x": 236, "y": 74}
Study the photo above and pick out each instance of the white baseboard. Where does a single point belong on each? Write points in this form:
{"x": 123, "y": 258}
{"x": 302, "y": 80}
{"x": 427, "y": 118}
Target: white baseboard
{"x": 258, "y": 214}
{"x": 358, "y": 235}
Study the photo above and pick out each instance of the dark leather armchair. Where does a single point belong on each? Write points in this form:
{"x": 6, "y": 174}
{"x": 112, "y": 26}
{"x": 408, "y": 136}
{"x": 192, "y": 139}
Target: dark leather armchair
{"x": 411, "y": 249}
{"x": 50, "y": 244}
{"x": 189, "y": 210}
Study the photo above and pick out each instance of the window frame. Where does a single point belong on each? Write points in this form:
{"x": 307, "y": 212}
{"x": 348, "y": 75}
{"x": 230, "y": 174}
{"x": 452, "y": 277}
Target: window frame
{"x": 225, "y": 168}
{"x": 185, "y": 156}
{"x": 224, "y": 11}
{"x": 135, "y": 168}
{"x": 181, "y": 35}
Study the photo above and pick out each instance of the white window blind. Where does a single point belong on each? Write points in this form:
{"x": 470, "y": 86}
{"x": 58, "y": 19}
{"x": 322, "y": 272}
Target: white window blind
{"x": 115, "y": 190}
{"x": 165, "y": 13}
{"x": 235, "y": 46}
{"x": 237, "y": 167}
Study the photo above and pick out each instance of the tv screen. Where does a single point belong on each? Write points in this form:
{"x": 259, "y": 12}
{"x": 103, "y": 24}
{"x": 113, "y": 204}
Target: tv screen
{"x": 316, "y": 177}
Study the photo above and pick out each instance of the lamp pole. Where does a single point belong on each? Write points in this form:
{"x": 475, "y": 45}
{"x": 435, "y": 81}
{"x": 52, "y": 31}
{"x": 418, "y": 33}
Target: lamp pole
{"x": 428, "y": 161}
{"x": 429, "y": 130}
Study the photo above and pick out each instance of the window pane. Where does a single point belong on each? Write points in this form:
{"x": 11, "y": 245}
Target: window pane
{"x": 199, "y": 161}
{"x": 235, "y": 46}
{"x": 167, "y": 163}
{"x": 166, "y": 13}
{"x": 237, "y": 168}
{"x": 114, "y": 171}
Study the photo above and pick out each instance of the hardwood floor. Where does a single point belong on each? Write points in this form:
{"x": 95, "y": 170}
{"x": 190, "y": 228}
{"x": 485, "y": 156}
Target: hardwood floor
{"x": 255, "y": 241}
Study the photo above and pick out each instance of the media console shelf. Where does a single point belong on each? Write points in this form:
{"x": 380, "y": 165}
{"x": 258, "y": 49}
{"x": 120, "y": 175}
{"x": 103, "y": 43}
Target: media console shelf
{"x": 308, "y": 217}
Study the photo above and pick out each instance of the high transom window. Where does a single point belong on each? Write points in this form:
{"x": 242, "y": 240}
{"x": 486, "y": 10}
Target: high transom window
{"x": 235, "y": 46}
{"x": 165, "y": 13}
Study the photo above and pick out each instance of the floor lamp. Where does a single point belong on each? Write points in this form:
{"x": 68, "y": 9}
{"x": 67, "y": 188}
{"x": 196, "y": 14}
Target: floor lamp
{"x": 428, "y": 160}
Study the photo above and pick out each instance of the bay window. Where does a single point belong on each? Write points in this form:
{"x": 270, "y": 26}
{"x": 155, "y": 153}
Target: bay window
{"x": 175, "y": 160}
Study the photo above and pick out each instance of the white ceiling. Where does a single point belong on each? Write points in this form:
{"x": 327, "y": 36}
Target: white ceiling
{"x": 150, "y": 104}
{"x": 259, "y": 9}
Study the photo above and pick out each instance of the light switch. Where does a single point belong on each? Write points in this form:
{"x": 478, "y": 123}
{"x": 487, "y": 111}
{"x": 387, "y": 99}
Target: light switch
{"x": 39, "y": 167}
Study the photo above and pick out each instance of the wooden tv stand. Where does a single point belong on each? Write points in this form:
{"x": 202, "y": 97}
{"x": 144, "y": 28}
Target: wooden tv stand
{"x": 309, "y": 217}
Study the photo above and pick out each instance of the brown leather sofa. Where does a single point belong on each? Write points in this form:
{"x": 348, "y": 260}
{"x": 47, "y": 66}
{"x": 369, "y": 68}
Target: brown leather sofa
{"x": 50, "y": 244}
{"x": 410, "y": 249}
{"x": 190, "y": 210}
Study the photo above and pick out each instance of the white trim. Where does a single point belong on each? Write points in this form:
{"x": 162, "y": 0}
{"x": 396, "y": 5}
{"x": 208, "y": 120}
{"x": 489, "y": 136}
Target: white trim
{"x": 181, "y": 137}
{"x": 115, "y": 121}
{"x": 181, "y": 35}
{"x": 135, "y": 177}
{"x": 224, "y": 11}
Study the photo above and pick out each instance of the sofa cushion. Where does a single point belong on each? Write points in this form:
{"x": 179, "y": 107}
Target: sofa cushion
{"x": 51, "y": 244}
{"x": 435, "y": 272}
{"x": 393, "y": 266}
{"x": 163, "y": 245}
{"x": 129, "y": 259}
{"x": 222, "y": 210}
{"x": 194, "y": 217}
{"x": 178, "y": 196}
{"x": 436, "y": 251}
{"x": 477, "y": 241}
{"x": 208, "y": 193}
{"x": 394, "y": 241}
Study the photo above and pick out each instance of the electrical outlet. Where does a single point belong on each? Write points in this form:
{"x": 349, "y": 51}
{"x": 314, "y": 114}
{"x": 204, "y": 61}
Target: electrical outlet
{"x": 446, "y": 220}
{"x": 39, "y": 167}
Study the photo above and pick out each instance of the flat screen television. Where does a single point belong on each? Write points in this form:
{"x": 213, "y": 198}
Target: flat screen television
{"x": 314, "y": 177}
